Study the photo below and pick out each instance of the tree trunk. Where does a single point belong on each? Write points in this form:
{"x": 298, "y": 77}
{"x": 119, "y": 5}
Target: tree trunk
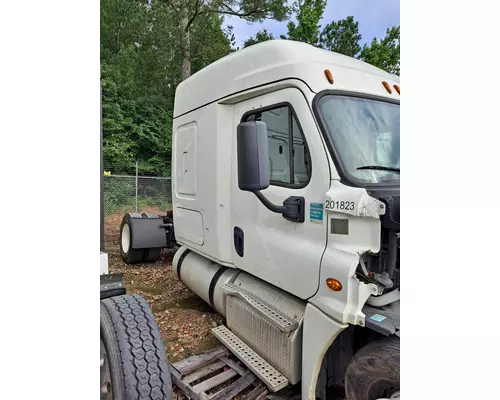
{"x": 186, "y": 56}
{"x": 185, "y": 44}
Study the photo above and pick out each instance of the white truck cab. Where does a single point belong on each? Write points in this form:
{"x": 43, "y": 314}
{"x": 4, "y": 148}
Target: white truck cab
{"x": 285, "y": 196}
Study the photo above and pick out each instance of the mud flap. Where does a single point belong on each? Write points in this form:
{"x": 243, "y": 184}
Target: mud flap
{"x": 147, "y": 233}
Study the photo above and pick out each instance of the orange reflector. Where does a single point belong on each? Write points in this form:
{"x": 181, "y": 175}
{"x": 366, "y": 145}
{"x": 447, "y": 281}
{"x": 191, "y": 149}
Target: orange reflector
{"x": 397, "y": 88}
{"x": 334, "y": 284}
{"x": 387, "y": 86}
{"x": 329, "y": 76}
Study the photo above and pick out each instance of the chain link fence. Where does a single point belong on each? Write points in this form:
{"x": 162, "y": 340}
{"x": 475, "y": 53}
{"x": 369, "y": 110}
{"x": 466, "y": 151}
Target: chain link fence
{"x": 131, "y": 187}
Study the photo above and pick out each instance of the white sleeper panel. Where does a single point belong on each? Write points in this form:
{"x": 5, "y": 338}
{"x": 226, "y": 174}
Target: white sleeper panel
{"x": 191, "y": 228}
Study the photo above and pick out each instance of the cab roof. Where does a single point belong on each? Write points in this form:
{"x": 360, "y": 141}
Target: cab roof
{"x": 277, "y": 60}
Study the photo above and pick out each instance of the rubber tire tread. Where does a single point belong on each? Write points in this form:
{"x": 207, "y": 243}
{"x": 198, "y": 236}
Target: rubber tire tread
{"x": 372, "y": 369}
{"x": 133, "y": 256}
{"x": 144, "y": 368}
{"x": 149, "y": 215}
{"x": 151, "y": 255}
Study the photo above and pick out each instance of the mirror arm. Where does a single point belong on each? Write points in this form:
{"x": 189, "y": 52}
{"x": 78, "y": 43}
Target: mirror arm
{"x": 293, "y": 208}
{"x": 270, "y": 206}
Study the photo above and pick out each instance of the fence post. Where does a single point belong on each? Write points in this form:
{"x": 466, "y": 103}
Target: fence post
{"x": 136, "y": 184}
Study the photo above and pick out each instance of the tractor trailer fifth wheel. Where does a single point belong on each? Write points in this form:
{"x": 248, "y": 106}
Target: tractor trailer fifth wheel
{"x": 134, "y": 365}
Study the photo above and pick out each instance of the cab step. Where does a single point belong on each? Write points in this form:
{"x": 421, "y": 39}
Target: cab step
{"x": 215, "y": 375}
{"x": 273, "y": 315}
{"x": 273, "y": 379}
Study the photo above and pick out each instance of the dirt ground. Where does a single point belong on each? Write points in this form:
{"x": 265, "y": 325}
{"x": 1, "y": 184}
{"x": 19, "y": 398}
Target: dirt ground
{"x": 185, "y": 320}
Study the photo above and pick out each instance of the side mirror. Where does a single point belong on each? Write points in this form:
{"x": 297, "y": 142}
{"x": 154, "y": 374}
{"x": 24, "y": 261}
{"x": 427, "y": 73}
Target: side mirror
{"x": 253, "y": 169}
{"x": 253, "y": 156}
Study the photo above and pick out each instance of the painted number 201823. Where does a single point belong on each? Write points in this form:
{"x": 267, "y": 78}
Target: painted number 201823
{"x": 339, "y": 205}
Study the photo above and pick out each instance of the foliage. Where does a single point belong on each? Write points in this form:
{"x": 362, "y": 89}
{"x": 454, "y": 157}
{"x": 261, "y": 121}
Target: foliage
{"x": 342, "y": 37}
{"x": 209, "y": 41}
{"x": 194, "y": 13}
{"x": 140, "y": 60}
{"x": 261, "y": 36}
{"x": 307, "y": 29}
{"x": 136, "y": 91}
{"x": 384, "y": 53}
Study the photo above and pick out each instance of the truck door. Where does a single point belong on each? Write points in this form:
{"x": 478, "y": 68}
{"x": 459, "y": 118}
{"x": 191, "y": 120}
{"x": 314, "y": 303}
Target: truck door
{"x": 283, "y": 253}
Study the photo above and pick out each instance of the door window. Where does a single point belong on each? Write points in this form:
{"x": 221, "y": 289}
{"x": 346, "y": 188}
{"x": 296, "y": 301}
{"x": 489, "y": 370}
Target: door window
{"x": 286, "y": 142}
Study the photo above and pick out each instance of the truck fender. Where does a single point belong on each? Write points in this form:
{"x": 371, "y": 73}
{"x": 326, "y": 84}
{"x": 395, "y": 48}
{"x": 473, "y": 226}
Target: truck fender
{"x": 320, "y": 331}
{"x": 146, "y": 233}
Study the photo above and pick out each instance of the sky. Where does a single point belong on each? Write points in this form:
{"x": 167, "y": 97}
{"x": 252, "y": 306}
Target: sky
{"x": 374, "y": 17}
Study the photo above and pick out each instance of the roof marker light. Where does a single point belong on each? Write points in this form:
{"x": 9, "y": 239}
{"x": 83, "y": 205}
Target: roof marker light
{"x": 387, "y": 87}
{"x": 397, "y": 88}
{"x": 329, "y": 76}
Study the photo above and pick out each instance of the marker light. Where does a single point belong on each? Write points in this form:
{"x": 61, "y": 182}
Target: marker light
{"x": 387, "y": 86}
{"x": 329, "y": 76}
{"x": 334, "y": 284}
{"x": 397, "y": 88}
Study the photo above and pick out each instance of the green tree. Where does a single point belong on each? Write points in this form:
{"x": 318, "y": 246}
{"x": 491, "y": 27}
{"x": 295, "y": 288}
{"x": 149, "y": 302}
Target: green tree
{"x": 137, "y": 92}
{"x": 342, "y": 37}
{"x": 384, "y": 53}
{"x": 117, "y": 142}
{"x": 189, "y": 12}
{"x": 209, "y": 41}
{"x": 307, "y": 28}
{"x": 140, "y": 61}
{"x": 261, "y": 36}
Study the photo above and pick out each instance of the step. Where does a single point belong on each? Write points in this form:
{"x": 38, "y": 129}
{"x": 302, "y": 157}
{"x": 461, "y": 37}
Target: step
{"x": 215, "y": 375}
{"x": 276, "y": 317}
{"x": 265, "y": 372}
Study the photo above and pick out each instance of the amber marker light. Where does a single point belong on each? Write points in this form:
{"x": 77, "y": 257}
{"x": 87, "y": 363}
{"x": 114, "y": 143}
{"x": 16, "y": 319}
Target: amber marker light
{"x": 329, "y": 76}
{"x": 397, "y": 88}
{"x": 334, "y": 284}
{"x": 387, "y": 87}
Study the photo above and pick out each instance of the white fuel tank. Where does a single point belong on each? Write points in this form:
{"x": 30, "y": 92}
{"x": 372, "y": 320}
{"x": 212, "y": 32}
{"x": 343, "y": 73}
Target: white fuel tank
{"x": 203, "y": 277}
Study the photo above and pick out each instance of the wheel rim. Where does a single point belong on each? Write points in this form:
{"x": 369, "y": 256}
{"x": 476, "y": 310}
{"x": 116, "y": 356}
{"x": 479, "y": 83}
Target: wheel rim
{"x": 106, "y": 388}
{"x": 125, "y": 238}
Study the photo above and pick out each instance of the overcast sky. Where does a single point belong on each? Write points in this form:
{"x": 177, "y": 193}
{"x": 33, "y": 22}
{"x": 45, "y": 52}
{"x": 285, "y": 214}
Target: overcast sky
{"x": 374, "y": 17}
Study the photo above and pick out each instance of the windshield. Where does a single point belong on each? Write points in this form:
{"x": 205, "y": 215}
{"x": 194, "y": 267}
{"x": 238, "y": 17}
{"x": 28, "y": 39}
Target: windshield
{"x": 365, "y": 136}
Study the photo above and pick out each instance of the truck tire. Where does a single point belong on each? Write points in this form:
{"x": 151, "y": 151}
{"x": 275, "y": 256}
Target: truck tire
{"x": 129, "y": 255}
{"x": 149, "y": 215}
{"x": 134, "y": 364}
{"x": 151, "y": 255}
{"x": 373, "y": 372}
